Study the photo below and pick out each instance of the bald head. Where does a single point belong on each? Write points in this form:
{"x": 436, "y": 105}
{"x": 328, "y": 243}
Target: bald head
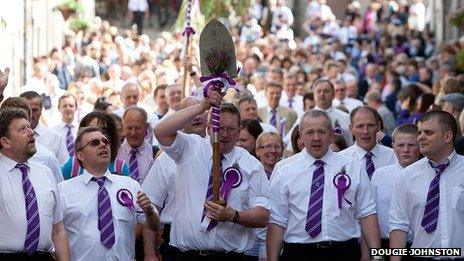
{"x": 188, "y": 102}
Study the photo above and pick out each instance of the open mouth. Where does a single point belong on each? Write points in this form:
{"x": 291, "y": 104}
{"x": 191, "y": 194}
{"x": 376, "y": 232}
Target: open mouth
{"x": 103, "y": 153}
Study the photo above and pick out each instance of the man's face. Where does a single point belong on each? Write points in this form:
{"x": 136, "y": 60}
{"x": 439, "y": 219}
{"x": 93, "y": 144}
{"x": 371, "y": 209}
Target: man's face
{"x": 135, "y": 128}
{"x": 406, "y": 148}
{"x": 316, "y": 135}
{"x": 229, "y": 131}
{"x": 340, "y": 91}
{"x": 432, "y": 139}
{"x": 161, "y": 101}
{"x": 174, "y": 96}
{"x": 20, "y": 139}
{"x": 36, "y": 108}
{"x": 68, "y": 109}
{"x": 94, "y": 150}
{"x": 273, "y": 96}
{"x": 323, "y": 95}
{"x": 290, "y": 86}
{"x": 130, "y": 96}
{"x": 248, "y": 110}
{"x": 364, "y": 129}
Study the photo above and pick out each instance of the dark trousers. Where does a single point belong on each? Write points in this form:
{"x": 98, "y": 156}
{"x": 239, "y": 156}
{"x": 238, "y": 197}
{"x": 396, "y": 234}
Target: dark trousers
{"x": 206, "y": 255}
{"x": 138, "y": 20}
{"x": 347, "y": 251}
{"x": 168, "y": 252}
{"x": 37, "y": 256}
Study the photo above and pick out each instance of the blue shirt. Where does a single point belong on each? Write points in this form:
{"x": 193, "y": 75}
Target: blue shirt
{"x": 116, "y": 166}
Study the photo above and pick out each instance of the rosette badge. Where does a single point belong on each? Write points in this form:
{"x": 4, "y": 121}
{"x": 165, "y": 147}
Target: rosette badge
{"x": 126, "y": 199}
{"x": 342, "y": 182}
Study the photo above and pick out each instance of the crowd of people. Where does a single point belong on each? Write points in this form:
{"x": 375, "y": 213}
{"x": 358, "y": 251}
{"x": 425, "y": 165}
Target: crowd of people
{"x": 345, "y": 140}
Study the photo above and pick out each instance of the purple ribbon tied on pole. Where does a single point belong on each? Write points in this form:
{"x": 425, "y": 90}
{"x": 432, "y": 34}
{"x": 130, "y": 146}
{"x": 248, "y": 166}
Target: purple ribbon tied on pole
{"x": 342, "y": 182}
{"x": 232, "y": 178}
{"x": 188, "y": 31}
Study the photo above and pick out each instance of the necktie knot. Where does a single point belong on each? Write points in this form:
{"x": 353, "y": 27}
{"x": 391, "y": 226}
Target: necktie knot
{"x": 134, "y": 151}
{"x": 100, "y": 180}
{"x": 69, "y": 126}
{"x": 319, "y": 163}
{"x": 439, "y": 168}
{"x": 273, "y": 111}
{"x": 369, "y": 155}
{"x": 22, "y": 167}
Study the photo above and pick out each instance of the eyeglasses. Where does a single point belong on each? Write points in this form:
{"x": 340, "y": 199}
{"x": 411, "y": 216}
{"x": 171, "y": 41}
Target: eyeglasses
{"x": 229, "y": 130}
{"x": 95, "y": 143}
{"x": 271, "y": 147}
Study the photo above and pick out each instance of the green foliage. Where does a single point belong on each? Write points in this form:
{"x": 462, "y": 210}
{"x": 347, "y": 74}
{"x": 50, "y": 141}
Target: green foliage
{"x": 460, "y": 61}
{"x": 210, "y": 9}
{"x": 71, "y": 4}
{"x": 457, "y": 19}
{"x": 77, "y": 24}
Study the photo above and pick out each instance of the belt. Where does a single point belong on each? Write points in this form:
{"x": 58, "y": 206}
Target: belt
{"x": 209, "y": 253}
{"x": 25, "y": 256}
{"x": 325, "y": 244}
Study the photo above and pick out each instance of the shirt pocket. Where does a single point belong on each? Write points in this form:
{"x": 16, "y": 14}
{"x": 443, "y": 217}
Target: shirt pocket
{"x": 238, "y": 197}
{"x": 458, "y": 199}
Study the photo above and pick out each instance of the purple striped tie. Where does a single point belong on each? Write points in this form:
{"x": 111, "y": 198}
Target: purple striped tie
{"x": 273, "y": 120}
{"x": 370, "y": 168}
{"x": 209, "y": 197}
{"x": 32, "y": 212}
{"x": 70, "y": 140}
{"x": 314, "y": 217}
{"x": 105, "y": 215}
{"x": 430, "y": 218}
{"x": 290, "y": 102}
{"x": 133, "y": 165}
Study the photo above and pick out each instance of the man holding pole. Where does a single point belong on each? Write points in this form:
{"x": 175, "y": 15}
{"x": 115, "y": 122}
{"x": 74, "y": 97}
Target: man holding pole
{"x": 202, "y": 229}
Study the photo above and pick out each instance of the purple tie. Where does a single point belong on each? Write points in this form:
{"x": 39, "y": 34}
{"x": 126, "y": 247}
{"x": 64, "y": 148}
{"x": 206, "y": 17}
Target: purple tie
{"x": 209, "y": 197}
{"x": 314, "y": 217}
{"x": 273, "y": 120}
{"x": 370, "y": 168}
{"x": 105, "y": 215}
{"x": 69, "y": 140}
{"x": 290, "y": 102}
{"x": 133, "y": 165}
{"x": 430, "y": 218}
{"x": 32, "y": 212}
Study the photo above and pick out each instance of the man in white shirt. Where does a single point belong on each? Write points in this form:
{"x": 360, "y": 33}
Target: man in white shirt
{"x": 342, "y": 99}
{"x": 318, "y": 201}
{"x": 173, "y": 96}
{"x": 45, "y": 136}
{"x": 384, "y": 179}
{"x": 114, "y": 82}
{"x": 99, "y": 208}
{"x": 365, "y": 123}
{"x": 67, "y": 128}
{"x": 30, "y": 214}
{"x": 130, "y": 95}
{"x": 205, "y": 230}
{"x": 249, "y": 110}
{"x": 290, "y": 98}
{"x": 139, "y": 9}
{"x": 429, "y": 195}
{"x": 161, "y": 178}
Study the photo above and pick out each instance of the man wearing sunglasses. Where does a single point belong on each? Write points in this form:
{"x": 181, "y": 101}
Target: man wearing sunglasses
{"x": 100, "y": 209}
{"x": 201, "y": 229}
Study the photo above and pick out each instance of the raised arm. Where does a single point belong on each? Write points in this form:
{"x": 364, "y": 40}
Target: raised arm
{"x": 166, "y": 130}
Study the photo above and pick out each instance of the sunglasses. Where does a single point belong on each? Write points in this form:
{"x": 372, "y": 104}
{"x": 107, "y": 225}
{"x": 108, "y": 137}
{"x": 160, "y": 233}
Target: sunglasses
{"x": 95, "y": 143}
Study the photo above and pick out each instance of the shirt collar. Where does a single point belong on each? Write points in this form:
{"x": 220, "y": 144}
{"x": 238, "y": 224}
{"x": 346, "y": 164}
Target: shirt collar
{"x": 11, "y": 164}
{"x": 86, "y": 176}
{"x": 375, "y": 150}
{"x": 231, "y": 155}
{"x": 451, "y": 158}
{"x": 329, "y": 110}
{"x": 63, "y": 124}
{"x": 39, "y": 130}
{"x": 127, "y": 148}
{"x": 309, "y": 160}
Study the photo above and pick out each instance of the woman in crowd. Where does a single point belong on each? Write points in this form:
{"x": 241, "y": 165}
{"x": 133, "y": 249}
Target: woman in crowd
{"x": 108, "y": 127}
{"x": 250, "y": 129}
{"x": 269, "y": 150}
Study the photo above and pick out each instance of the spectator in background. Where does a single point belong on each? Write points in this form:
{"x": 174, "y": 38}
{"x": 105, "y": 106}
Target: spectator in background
{"x": 249, "y": 131}
{"x": 373, "y": 99}
{"x": 269, "y": 150}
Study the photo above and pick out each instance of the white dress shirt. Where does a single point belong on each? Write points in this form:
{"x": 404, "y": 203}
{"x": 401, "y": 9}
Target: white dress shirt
{"x": 348, "y": 102}
{"x": 192, "y": 155}
{"x": 144, "y": 157}
{"x": 46, "y": 158}
{"x": 383, "y": 183}
{"x": 52, "y": 141}
{"x": 63, "y": 130}
{"x": 290, "y": 195}
{"x": 408, "y": 204}
{"x": 159, "y": 185}
{"x": 260, "y": 98}
{"x": 79, "y": 202}
{"x": 382, "y": 155}
{"x": 13, "y": 225}
{"x": 137, "y": 5}
{"x": 297, "y": 104}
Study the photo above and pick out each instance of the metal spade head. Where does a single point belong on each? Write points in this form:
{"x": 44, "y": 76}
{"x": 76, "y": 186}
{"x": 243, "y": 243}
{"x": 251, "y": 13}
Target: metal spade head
{"x": 217, "y": 51}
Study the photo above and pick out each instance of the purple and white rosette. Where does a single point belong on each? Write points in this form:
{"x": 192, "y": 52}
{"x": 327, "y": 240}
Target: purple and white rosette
{"x": 232, "y": 178}
{"x": 126, "y": 199}
{"x": 342, "y": 182}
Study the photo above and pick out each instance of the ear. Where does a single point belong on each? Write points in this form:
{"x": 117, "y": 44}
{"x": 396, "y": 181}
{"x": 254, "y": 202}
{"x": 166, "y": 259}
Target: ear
{"x": 5, "y": 142}
{"x": 79, "y": 155}
{"x": 448, "y": 136}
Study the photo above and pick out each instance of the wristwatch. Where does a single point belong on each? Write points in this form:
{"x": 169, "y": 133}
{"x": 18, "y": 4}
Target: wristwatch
{"x": 236, "y": 217}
